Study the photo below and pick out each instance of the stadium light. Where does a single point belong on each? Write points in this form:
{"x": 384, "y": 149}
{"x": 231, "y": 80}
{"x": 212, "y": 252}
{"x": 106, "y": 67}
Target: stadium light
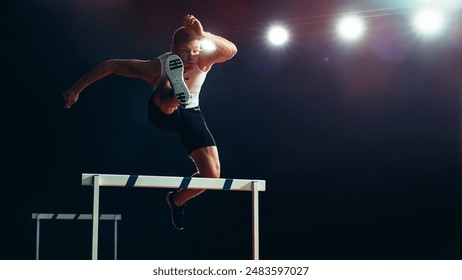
{"x": 429, "y": 22}
{"x": 278, "y": 35}
{"x": 351, "y": 28}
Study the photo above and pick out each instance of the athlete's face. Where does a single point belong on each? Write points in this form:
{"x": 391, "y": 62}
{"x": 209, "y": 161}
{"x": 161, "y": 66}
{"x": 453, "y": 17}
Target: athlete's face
{"x": 189, "y": 53}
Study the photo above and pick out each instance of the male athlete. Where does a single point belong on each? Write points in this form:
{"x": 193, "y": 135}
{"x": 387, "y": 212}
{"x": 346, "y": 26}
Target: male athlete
{"x": 177, "y": 77}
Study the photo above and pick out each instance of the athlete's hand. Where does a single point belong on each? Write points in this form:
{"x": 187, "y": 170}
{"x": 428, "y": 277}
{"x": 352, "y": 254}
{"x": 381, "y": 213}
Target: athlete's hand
{"x": 194, "y": 26}
{"x": 70, "y": 97}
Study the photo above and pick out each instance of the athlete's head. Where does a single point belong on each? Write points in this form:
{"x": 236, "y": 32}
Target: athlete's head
{"x": 186, "y": 46}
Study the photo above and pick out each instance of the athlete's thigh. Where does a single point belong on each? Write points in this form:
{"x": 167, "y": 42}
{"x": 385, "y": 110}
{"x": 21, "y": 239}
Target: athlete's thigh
{"x": 207, "y": 161}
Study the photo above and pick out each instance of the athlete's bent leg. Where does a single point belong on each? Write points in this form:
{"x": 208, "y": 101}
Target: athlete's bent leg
{"x": 165, "y": 100}
{"x": 208, "y": 166}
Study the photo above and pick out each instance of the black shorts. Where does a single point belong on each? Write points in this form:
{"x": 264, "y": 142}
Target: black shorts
{"x": 189, "y": 124}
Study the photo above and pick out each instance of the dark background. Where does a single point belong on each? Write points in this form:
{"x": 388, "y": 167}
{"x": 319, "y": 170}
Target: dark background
{"x": 359, "y": 143}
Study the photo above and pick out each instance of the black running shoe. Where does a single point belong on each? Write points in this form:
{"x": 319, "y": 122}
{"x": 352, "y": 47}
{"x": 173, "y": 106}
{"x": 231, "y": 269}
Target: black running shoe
{"x": 174, "y": 70}
{"x": 177, "y": 212}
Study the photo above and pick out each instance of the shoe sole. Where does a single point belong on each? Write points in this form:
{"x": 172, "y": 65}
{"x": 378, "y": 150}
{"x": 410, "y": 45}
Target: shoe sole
{"x": 171, "y": 213}
{"x": 174, "y": 70}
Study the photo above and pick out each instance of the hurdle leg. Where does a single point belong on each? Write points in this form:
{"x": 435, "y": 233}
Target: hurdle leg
{"x": 37, "y": 238}
{"x": 94, "y": 252}
{"x": 115, "y": 238}
{"x": 255, "y": 222}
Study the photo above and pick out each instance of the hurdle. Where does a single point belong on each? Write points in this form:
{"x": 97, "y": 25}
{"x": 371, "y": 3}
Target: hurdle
{"x": 61, "y": 216}
{"x": 169, "y": 182}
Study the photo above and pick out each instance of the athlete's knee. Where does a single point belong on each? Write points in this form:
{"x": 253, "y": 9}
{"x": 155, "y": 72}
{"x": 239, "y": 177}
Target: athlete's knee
{"x": 207, "y": 162}
{"x": 212, "y": 170}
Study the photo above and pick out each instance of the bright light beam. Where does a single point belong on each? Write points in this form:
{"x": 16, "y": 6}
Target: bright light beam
{"x": 278, "y": 35}
{"x": 429, "y": 22}
{"x": 208, "y": 45}
{"x": 351, "y": 28}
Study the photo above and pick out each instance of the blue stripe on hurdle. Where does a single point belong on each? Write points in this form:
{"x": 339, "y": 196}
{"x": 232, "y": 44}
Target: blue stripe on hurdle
{"x": 228, "y": 183}
{"x": 131, "y": 181}
{"x": 185, "y": 182}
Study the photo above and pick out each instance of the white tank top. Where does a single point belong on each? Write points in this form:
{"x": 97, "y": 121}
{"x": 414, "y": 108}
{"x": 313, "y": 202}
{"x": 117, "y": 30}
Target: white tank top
{"x": 194, "y": 79}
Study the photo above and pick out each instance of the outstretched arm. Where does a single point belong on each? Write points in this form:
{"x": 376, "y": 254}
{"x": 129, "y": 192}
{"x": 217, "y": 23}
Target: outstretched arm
{"x": 148, "y": 70}
{"x": 224, "y": 48}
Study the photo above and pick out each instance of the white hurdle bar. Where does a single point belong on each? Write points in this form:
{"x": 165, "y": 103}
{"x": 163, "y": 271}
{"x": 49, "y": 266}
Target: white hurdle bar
{"x": 61, "y": 216}
{"x": 143, "y": 181}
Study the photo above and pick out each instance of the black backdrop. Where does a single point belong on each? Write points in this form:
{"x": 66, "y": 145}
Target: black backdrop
{"x": 359, "y": 143}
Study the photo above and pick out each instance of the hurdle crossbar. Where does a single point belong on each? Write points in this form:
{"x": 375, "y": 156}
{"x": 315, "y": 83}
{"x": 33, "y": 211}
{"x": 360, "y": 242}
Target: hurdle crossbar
{"x": 63, "y": 216}
{"x": 170, "y": 182}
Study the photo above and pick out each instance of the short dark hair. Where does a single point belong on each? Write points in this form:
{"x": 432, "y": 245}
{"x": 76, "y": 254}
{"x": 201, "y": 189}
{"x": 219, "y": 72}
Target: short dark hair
{"x": 182, "y": 36}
